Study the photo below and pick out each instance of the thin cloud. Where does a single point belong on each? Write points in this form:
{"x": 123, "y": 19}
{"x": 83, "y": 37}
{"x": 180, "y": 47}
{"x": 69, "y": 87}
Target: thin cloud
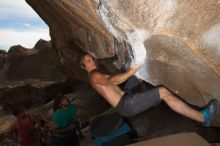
{"x": 20, "y": 25}
{"x": 27, "y": 25}
{"x": 16, "y": 9}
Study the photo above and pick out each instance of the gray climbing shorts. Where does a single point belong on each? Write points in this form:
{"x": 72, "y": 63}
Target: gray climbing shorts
{"x": 133, "y": 103}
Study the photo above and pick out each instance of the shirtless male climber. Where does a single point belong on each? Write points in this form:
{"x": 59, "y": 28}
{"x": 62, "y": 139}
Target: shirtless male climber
{"x": 128, "y": 103}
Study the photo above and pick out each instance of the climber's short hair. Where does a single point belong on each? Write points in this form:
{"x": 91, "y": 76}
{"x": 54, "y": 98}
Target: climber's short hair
{"x": 58, "y": 100}
{"x": 82, "y": 57}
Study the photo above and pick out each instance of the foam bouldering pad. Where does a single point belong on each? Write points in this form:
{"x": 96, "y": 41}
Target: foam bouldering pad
{"x": 106, "y": 124}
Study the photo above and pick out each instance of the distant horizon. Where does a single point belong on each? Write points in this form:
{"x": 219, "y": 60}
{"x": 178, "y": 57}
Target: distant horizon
{"x": 20, "y": 25}
{"x": 21, "y": 45}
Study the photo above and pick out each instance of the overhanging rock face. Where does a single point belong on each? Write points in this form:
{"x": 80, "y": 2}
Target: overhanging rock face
{"x": 178, "y": 41}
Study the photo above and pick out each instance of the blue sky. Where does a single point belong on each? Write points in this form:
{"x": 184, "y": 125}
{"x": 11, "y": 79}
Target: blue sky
{"x": 20, "y": 25}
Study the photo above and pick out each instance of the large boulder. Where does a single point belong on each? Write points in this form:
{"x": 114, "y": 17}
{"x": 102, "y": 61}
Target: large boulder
{"x": 178, "y": 41}
{"x": 2, "y": 58}
{"x": 30, "y": 64}
{"x": 30, "y": 76}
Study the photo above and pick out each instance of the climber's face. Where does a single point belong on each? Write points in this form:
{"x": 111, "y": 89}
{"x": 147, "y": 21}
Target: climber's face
{"x": 89, "y": 62}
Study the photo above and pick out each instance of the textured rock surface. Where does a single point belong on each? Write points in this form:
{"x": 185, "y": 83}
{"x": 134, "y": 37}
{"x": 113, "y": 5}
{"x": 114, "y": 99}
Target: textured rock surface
{"x": 177, "y": 40}
{"x": 30, "y": 76}
{"x": 39, "y": 63}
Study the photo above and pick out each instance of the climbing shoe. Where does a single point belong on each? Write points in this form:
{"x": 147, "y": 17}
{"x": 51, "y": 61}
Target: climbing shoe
{"x": 209, "y": 112}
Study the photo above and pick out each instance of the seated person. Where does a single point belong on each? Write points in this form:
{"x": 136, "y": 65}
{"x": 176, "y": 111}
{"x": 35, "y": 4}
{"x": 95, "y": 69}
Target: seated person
{"x": 63, "y": 118}
{"x": 24, "y": 126}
